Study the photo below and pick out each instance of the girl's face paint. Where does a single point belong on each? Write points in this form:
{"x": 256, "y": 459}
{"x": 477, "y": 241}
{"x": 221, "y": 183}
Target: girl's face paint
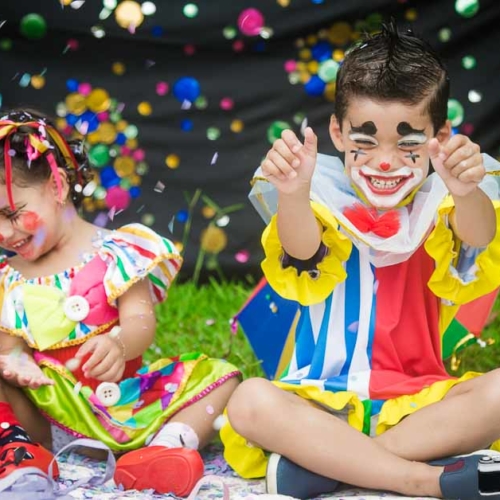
{"x": 386, "y": 142}
{"x": 30, "y": 222}
{"x": 31, "y": 229}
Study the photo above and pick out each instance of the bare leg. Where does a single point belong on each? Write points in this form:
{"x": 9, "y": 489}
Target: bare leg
{"x": 281, "y": 422}
{"x": 200, "y": 416}
{"x": 37, "y": 427}
{"x": 464, "y": 421}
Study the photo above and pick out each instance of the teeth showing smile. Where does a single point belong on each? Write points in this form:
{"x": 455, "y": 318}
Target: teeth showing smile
{"x": 388, "y": 184}
{"x": 20, "y": 243}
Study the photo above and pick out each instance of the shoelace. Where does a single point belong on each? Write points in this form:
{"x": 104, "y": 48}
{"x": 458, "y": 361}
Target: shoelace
{"x": 32, "y": 483}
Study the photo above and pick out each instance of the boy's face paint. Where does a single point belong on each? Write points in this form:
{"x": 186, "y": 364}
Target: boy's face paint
{"x": 28, "y": 230}
{"x": 386, "y": 148}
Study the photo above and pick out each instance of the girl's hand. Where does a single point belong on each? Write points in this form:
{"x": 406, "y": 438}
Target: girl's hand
{"x": 19, "y": 368}
{"x": 107, "y": 362}
{"x": 459, "y": 163}
{"x": 289, "y": 164}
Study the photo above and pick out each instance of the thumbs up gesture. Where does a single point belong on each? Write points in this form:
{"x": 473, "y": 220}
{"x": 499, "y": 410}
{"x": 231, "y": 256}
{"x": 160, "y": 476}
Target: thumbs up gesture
{"x": 289, "y": 164}
{"x": 459, "y": 163}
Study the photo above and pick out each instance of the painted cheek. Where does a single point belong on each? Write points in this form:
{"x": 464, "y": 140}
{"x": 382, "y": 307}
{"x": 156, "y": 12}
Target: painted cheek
{"x": 1, "y": 239}
{"x": 30, "y": 221}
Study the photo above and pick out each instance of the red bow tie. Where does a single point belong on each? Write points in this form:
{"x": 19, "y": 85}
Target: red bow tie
{"x": 367, "y": 220}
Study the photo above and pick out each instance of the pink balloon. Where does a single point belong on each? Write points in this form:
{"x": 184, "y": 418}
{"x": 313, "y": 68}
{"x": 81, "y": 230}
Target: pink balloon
{"x": 139, "y": 155}
{"x": 161, "y": 88}
{"x": 226, "y": 103}
{"x": 118, "y": 198}
{"x": 290, "y": 65}
{"x": 85, "y": 88}
{"x": 250, "y": 22}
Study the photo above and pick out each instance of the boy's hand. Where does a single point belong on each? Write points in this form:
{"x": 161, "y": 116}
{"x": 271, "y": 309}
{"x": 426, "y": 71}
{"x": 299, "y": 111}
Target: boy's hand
{"x": 106, "y": 362}
{"x": 459, "y": 163}
{"x": 20, "y": 369}
{"x": 289, "y": 164}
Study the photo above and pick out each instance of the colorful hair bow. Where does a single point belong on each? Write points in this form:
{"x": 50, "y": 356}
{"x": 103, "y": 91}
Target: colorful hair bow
{"x": 37, "y": 146}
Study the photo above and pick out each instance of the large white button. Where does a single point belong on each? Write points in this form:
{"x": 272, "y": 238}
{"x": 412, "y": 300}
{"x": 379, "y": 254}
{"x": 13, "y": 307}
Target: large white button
{"x": 108, "y": 393}
{"x": 76, "y": 308}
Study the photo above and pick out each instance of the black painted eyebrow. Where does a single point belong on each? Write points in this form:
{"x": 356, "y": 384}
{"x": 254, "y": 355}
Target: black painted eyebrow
{"x": 405, "y": 128}
{"x": 368, "y": 128}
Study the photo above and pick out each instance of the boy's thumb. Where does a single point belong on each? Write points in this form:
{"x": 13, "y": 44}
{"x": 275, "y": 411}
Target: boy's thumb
{"x": 310, "y": 141}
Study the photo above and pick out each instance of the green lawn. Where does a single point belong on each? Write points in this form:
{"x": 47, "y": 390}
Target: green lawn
{"x": 197, "y": 318}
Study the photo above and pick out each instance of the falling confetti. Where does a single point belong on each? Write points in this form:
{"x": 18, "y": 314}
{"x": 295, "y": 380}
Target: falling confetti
{"x": 219, "y": 422}
{"x": 214, "y": 159}
{"x": 72, "y": 364}
{"x": 210, "y": 409}
{"x": 159, "y": 187}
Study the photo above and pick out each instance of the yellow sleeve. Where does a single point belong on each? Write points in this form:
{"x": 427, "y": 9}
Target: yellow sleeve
{"x": 452, "y": 280}
{"x": 307, "y": 287}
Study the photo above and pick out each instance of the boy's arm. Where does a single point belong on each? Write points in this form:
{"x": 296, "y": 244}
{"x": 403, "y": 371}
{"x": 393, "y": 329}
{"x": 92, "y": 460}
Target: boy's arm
{"x": 460, "y": 165}
{"x": 474, "y": 218}
{"x": 289, "y": 166}
{"x": 298, "y": 228}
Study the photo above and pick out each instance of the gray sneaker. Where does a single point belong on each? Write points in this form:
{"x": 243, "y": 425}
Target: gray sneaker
{"x": 471, "y": 477}
{"x": 283, "y": 477}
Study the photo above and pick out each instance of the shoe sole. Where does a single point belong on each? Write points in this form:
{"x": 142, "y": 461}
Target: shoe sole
{"x": 271, "y": 474}
{"x": 168, "y": 474}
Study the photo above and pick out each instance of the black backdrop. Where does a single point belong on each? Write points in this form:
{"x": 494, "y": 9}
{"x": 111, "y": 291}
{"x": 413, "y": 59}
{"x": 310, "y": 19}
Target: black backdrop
{"x": 249, "y": 70}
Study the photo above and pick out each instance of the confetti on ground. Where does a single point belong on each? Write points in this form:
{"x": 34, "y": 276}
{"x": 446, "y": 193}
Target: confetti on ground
{"x": 74, "y": 467}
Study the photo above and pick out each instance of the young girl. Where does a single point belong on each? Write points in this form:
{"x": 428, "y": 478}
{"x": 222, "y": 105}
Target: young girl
{"x": 77, "y": 315}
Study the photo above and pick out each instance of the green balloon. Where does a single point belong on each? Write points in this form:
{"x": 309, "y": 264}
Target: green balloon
{"x": 328, "y": 70}
{"x": 455, "y": 112}
{"x": 33, "y": 26}
{"x": 5, "y": 44}
{"x": 99, "y": 155}
{"x": 467, "y": 8}
{"x": 275, "y": 130}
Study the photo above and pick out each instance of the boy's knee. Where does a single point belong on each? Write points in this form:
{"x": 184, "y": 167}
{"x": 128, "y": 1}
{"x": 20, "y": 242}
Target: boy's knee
{"x": 248, "y": 404}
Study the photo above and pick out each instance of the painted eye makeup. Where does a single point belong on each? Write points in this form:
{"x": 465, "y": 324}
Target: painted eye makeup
{"x": 412, "y": 141}
{"x": 362, "y": 139}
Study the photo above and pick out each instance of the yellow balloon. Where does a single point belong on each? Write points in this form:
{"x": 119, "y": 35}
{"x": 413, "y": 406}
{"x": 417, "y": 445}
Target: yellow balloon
{"x": 98, "y": 100}
{"x": 76, "y": 103}
{"x": 172, "y": 161}
{"x": 213, "y": 239}
{"x": 144, "y": 108}
{"x": 37, "y": 81}
{"x": 129, "y": 14}
{"x": 124, "y": 166}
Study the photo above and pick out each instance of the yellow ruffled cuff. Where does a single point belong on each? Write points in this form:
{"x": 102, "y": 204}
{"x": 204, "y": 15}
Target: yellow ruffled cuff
{"x": 304, "y": 288}
{"x": 443, "y": 247}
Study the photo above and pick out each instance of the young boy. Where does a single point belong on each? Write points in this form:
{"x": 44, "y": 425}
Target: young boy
{"x": 379, "y": 254}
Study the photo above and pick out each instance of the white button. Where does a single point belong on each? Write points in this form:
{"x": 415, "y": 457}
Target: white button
{"x": 76, "y": 308}
{"x": 108, "y": 393}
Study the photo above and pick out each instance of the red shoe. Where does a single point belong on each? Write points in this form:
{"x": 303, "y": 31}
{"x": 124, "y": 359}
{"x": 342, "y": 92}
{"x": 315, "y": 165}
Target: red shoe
{"x": 166, "y": 470}
{"x": 17, "y": 454}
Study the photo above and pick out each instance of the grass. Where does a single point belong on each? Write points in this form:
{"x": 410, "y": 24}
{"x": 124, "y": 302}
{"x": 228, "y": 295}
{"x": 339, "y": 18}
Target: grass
{"x": 197, "y": 318}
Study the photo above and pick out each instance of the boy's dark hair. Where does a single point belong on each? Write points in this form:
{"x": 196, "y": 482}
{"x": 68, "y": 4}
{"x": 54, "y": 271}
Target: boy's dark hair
{"x": 394, "y": 66}
{"x": 38, "y": 170}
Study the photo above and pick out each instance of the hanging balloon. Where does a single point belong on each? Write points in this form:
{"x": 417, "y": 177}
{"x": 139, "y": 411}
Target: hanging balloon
{"x": 118, "y": 198}
{"x": 186, "y": 89}
{"x": 251, "y": 22}
{"x": 128, "y": 14}
{"x": 33, "y": 26}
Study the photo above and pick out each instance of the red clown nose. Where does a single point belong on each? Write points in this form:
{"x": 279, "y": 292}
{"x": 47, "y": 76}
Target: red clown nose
{"x": 385, "y": 166}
